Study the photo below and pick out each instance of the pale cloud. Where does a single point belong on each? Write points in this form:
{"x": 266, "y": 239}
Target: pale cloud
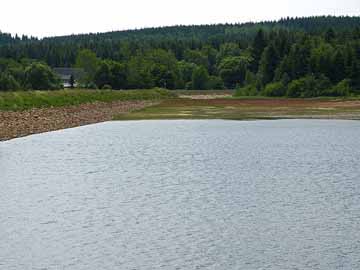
{"x": 49, "y": 18}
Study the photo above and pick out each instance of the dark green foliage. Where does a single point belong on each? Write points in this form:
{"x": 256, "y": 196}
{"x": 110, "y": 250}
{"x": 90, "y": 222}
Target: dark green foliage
{"x": 314, "y": 52}
{"x": 8, "y": 82}
{"x": 338, "y": 67}
{"x": 330, "y": 35}
{"x": 40, "y": 77}
{"x": 200, "y": 78}
{"x": 296, "y": 87}
{"x": 309, "y": 86}
{"x": 186, "y": 70}
{"x": 321, "y": 60}
{"x": 276, "y": 89}
{"x": 139, "y": 75}
{"x": 297, "y": 61}
{"x": 249, "y": 90}
{"x": 268, "y": 64}
{"x": 258, "y": 47}
{"x": 197, "y": 57}
{"x": 155, "y": 68}
{"x": 106, "y": 87}
{"x": 228, "y": 49}
{"x": 87, "y": 60}
{"x": 215, "y": 83}
{"x": 355, "y": 74}
{"x": 111, "y": 74}
{"x": 343, "y": 88}
{"x": 233, "y": 70}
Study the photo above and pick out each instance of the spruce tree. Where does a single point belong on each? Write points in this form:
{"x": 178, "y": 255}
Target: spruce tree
{"x": 258, "y": 47}
{"x": 268, "y": 63}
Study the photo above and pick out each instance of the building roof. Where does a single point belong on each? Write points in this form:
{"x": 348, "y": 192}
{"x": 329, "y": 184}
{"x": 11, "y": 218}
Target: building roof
{"x": 65, "y": 73}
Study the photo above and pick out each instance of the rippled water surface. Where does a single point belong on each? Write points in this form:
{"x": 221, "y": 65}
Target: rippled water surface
{"x": 183, "y": 195}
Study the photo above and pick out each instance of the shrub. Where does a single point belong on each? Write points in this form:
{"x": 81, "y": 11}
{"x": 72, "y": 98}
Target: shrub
{"x": 322, "y": 84}
{"x": 106, "y": 87}
{"x": 189, "y": 86}
{"x": 8, "y": 82}
{"x": 40, "y": 77}
{"x": 215, "y": 83}
{"x": 276, "y": 89}
{"x": 111, "y": 73}
{"x": 343, "y": 88}
{"x": 308, "y": 86}
{"x": 91, "y": 85}
{"x": 295, "y": 88}
{"x": 200, "y": 78}
{"x": 248, "y": 90}
{"x": 233, "y": 70}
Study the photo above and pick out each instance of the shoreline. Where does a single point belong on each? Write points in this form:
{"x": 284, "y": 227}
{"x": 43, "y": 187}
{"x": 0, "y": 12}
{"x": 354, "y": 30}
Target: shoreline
{"x": 16, "y": 124}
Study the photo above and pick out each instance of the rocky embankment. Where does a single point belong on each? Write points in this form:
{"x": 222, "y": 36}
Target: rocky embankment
{"x": 23, "y": 123}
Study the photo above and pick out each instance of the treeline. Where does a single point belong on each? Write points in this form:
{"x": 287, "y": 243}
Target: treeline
{"x": 296, "y": 57}
{"x": 62, "y": 51}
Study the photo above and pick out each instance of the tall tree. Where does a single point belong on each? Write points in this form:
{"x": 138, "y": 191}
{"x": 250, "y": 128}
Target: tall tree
{"x": 330, "y": 35}
{"x": 258, "y": 46}
{"x": 268, "y": 63}
{"x": 87, "y": 60}
{"x": 200, "y": 78}
{"x": 338, "y": 68}
{"x": 40, "y": 77}
{"x": 233, "y": 70}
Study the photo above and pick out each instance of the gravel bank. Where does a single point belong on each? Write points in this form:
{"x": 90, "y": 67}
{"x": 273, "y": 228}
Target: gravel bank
{"x": 23, "y": 123}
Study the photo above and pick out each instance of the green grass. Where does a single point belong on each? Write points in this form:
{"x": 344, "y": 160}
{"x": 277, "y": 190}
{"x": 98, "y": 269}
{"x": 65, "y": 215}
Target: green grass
{"x": 17, "y": 101}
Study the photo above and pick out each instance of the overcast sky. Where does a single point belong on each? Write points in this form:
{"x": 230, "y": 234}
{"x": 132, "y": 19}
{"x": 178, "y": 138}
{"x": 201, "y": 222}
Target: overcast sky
{"x": 49, "y": 17}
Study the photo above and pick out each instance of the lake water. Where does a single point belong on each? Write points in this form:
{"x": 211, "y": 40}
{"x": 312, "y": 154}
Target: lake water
{"x": 183, "y": 195}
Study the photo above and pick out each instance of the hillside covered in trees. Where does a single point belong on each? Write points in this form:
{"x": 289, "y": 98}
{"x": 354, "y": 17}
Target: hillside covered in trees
{"x": 295, "y": 57}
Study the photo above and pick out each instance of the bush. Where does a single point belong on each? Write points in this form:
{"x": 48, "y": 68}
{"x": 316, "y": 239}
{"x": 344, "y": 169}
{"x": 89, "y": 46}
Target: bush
{"x": 249, "y": 90}
{"x": 343, "y": 88}
{"x": 8, "y": 82}
{"x": 111, "y": 73}
{"x": 189, "y": 86}
{"x": 276, "y": 89}
{"x": 295, "y": 88}
{"x": 106, "y": 87}
{"x": 91, "y": 85}
{"x": 215, "y": 83}
{"x": 200, "y": 78}
{"x": 40, "y": 77}
{"x": 233, "y": 70}
{"x": 308, "y": 86}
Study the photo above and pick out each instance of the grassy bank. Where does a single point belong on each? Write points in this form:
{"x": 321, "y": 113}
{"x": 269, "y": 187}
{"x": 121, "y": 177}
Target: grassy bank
{"x": 18, "y": 101}
{"x": 241, "y": 109}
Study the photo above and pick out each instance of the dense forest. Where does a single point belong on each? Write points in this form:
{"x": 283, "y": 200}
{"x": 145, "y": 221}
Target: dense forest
{"x": 295, "y": 57}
